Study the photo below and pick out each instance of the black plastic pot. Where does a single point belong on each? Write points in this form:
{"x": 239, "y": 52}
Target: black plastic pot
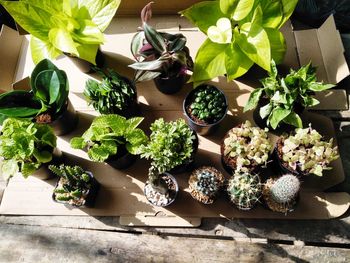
{"x": 201, "y": 129}
{"x": 175, "y": 193}
{"x": 44, "y": 173}
{"x": 85, "y": 66}
{"x": 90, "y": 198}
{"x": 66, "y": 122}
{"x": 187, "y": 165}
{"x": 170, "y": 85}
{"x": 122, "y": 160}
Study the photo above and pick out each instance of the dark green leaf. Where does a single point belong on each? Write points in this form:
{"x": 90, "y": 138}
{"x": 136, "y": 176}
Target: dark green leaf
{"x": 154, "y": 38}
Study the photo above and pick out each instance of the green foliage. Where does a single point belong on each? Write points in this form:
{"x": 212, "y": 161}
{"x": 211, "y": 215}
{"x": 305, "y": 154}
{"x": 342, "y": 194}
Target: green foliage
{"x": 284, "y": 93}
{"x": 74, "y": 184}
{"x": 306, "y": 151}
{"x": 244, "y": 189}
{"x": 208, "y": 104}
{"x": 113, "y": 94}
{"x": 240, "y": 33}
{"x": 157, "y": 53}
{"x": 107, "y": 133}
{"x": 25, "y": 146}
{"x": 69, "y": 26}
{"x": 49, "y": 94}
{"x": 285, "y": 189}
{"x": 171, "y": 144}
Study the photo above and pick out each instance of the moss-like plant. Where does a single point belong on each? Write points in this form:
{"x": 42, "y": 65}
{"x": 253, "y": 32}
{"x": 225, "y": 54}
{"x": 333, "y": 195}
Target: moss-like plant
{"x": 25, "y": 146}
{"x": 107, "y": 134}
{"x": 74, "y": 184}
{"x": 171, "y": 144}
{"x": 284, "y": 94}
{"x": 281, "y": 194}
{"x": 113, "y": 95}
{"x": 208, "y": 104}
{"x": 244, "y": 189}
{"x": 306, "y": 152}
{"x": 246, "y": 147}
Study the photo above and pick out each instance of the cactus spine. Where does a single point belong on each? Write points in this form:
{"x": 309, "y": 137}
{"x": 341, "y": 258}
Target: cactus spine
{"x": 281, "y": 194}
{"x": 244, "y": 189}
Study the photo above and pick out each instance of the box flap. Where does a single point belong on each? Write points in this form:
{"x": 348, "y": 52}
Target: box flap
{"x": 324, "y": 48}
{"x": 10, "y": 47}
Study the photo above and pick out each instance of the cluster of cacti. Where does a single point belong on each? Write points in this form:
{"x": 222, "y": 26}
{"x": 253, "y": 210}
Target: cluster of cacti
{"x": 208, "y": 105}
{"x": 73, "y": 186}
{"x": 204, "y": 184}
{"x": 248, "y": 146}
{"x": 244, "y": 189}
{"x": 281, "y": 194}
{"x": 307, "y": 152}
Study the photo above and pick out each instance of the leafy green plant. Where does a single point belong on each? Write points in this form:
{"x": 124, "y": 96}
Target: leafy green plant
{"x": 157, "y": 53}
{"x": 244, "y": 189}
{"x": 114, "y": 94}
{"x": 240, "y": 33}
{"x": 204, "y": 184}
{"x": 107, "y": 134}
{"x": 284, "y": 94}
{"x": 25, "y": 146}
{"x": 69, "y": 26}
{"x": 306, "y": 152}
{"x": 171, "y": 144}
{"x": 246, "y": 147}
{"x": 47, "y": 98}
{"x": 208, "y": 104}
{"x": 73, "y": 186}
{"x": 281, "y": 194}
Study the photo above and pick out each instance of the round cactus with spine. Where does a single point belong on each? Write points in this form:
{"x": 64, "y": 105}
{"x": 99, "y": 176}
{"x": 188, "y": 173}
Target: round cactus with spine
{"x": 244, "y": 189}
{"x": 204, "y": 184}
{"x": 281, "y": 194}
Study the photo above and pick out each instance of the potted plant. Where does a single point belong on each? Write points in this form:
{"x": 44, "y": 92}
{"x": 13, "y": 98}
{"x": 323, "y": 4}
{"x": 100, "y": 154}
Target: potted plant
{"x": 240, "y": 34}
{"x": 205, "y": 183}
{"x": 70, "y": 27}
{"x": 27, "y": 148}
{"x": 171, "y": 148}
{"x": 245, "y": 147}
{"x": 280, "y": 100}
{"x": 160, "y": 56}
{"x": 115, "y": 94}
{"x": 281, "y": 194}
{"x": 112, "y": 139}
{"x": 75, "y": 187}
{"x": 46, "y": 102}
{"x": 205, "y": 107}
{"x": 305, "y": 152}
{"x": 244, "y": 189}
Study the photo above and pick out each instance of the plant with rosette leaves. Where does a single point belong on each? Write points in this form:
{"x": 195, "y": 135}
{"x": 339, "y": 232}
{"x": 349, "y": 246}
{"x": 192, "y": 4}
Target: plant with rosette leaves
{"x": 240, "y": 33}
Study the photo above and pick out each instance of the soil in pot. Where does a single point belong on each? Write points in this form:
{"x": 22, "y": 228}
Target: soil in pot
{"x": 157, "y": 198}
{"x": 169, "y": 85}
{"x": 64, "y": 123}
{"x": 205, "y": 107}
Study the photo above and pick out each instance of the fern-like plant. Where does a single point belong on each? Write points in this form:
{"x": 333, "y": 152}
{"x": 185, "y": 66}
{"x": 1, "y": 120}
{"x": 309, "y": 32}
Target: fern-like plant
{"x": 107, "y": 134}
{"x": 25, "y": 146}
{"x": 113, "y": 95}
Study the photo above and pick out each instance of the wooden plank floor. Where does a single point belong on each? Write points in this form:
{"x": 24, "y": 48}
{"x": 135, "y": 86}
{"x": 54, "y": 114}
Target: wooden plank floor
{"x": 102, "y": 239}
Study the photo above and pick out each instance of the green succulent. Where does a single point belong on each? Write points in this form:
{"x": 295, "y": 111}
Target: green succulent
{"x": 74, "y": 184}
{"x": 308, "y": 152}
{"x": 208, "y": 104}
{"x": 113, "y": 95}
{"x": 244, "y": 189}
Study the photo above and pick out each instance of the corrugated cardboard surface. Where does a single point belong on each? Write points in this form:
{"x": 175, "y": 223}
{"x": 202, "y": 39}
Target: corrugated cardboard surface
{"x": 121, "y": 192}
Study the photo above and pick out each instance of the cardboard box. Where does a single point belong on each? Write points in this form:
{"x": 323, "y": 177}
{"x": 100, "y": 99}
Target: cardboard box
{"x": 121, "y": 193}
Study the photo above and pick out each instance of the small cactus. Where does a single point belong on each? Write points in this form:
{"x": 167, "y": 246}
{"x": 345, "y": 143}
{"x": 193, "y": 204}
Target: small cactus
{"x": 73, "y": 186}
{"x": 204, "y": 184}
{"x": 244, "y": 189}
{"x": 281, "y": 194}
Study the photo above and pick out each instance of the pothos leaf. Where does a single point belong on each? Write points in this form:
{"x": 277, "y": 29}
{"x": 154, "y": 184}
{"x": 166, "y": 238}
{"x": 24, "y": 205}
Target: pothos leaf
{"x": 253, "y": 100}
{"x": 294, "y": 119}
{"x": 236, "y": 62}
{"x": 277, "y": 115}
